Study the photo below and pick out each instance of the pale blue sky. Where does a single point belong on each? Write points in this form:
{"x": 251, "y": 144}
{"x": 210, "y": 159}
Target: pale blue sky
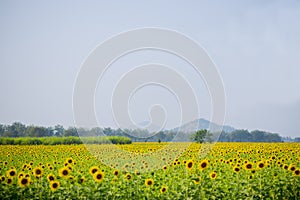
{"x": 255, "y": 45}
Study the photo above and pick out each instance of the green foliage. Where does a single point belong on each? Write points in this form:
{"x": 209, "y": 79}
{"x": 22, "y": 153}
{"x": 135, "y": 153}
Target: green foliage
{"x": 246, "y": 136}
{"x": 200, "y": 135}
{"x": 137, "y": 135}
{"x": 271, "y": 181}
{"x": 64, "y": 140}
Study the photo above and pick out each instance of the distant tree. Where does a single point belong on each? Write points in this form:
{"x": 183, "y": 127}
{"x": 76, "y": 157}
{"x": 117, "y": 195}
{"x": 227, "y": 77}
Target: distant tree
{"x": 199, "y": 136}
{"x": 297, "y": 139}
{"x": 108, "y": 131}
{"x": 224, "y": 137}
{"x": 161, "y": 136}
{"x": 71, "y": 131}
{"x": 272, "y": 137}
{"x": 58, "y": 130}
{"x": 15, "y": 130}
{"x": 241, "y": 136}
{"x": 2, "y": 130}
{"x": 20, "y": 128}
{"x": 37, "y": 131}
{"x": 258, "y": 136}
{"x": 96, "y": 131}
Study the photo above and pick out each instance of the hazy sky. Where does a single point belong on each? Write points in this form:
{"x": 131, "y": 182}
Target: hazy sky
{"x": 254, "y": 44}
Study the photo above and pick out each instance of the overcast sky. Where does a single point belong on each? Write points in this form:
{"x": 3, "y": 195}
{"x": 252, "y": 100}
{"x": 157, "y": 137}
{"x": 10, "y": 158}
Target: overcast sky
{"x": 254, "y": 44}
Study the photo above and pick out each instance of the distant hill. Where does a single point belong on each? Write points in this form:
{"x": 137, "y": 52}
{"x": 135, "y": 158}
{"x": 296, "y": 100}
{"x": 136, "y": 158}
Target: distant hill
{"x": 202, "y": 124}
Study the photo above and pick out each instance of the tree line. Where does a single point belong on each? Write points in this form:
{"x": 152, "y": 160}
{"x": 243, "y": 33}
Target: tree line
{"x": 246, "y": 136}
{"x": 18, "y": 129}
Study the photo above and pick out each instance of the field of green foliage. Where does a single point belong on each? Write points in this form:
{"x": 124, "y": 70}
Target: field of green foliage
{"x": 64, "y": 140}
{"x": 229, "y": 171}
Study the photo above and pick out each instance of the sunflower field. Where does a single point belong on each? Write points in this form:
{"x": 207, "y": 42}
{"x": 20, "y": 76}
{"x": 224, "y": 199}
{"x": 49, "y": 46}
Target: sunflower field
{"x": 150, "y": 171}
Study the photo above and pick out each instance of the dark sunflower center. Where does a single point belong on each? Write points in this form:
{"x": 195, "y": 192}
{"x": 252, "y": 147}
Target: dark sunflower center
{"x": 54, "y": 185}
{"x": 293, "y": 168}
{"x": 94, "y": 171}
{"x": 38, "y": 171}
{"x": 65, "y": 172}
{"x": 190, "y": 165}
{"x": 99, "y": 176}
{"x": 203, "y": 165}
{"x": 24, "y": 181}
{"x": 51, "y": 178}
{"x": 149, "y": 183}
{"x": 12, "y": 173}
{"x": 163, "y": 190}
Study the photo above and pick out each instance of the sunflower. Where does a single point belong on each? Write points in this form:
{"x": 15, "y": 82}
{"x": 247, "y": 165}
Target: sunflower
{"x": 203, "y": 164}
{"x": 2, "y": 178}
{"x": 248, "y": 166}
{"x": 189, "y": 164}
{"x": 71, "y": 178}
{"x": 81, "y": 180}
{"x": 285, "y": 167}
{"x": 37, "y": 172}
{"x": 11, "y": 173}
{"x": 260, "y": 165}
{"x": 163, "y": 189}
{"x": 70, "y": 161}
{"x": 213, "y": 175}
{"x": 94, "y": 169}
{"x": 23, "y": 182}
{"x": 196, "y": 180}
{"x": 137, "y": 173}
{"x": 236, "y": 169}
{"x": 297, "y": 172}
{"x": 64, "y": 172}
{"x": 9, "y": 181}
{"x": 128, "y": 176}
{"x": 98, "y": 176}
{"x": 50, "y": 177}
{"x": 116, "y": 172}
{"x": 292, "y": 167}
{"x": 54, "y": 185}
{"x": 149, "y": 182}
